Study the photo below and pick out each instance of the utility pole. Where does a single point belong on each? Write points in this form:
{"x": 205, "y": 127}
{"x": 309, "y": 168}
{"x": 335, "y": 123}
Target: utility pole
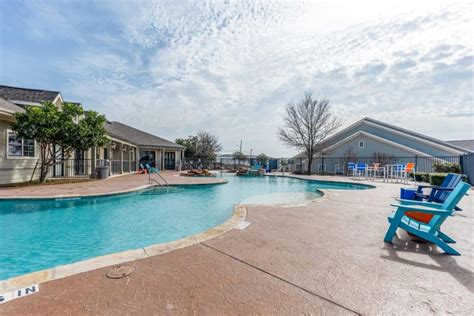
{"x": 250, "y": 159}
{"x": 240, "y": 150}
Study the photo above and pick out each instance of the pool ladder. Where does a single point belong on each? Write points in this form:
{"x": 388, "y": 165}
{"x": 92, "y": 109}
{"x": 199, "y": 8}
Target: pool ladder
{"x": 153, "y": 180}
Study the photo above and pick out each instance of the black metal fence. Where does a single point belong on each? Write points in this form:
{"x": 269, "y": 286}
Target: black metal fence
{"x": 198, "y": 163}
{"x": 338, "y": 165}
{"x": 71, "y": 168}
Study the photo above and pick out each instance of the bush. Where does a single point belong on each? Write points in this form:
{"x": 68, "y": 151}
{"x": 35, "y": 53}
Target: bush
{"x": 447, "y": 167}
{"x": 437, "y": 178}
{"x": 421, "y": 176}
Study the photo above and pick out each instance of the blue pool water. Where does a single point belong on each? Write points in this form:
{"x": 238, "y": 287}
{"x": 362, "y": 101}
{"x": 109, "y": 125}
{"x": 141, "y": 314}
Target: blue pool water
{"x": 41, "y": 234}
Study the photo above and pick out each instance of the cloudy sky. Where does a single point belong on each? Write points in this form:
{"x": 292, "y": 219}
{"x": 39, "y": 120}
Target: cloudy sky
{"x": 230, "y": 67}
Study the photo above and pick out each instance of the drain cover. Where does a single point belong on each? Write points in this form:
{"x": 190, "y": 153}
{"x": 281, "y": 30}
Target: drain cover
{"x": 120, "y": 271}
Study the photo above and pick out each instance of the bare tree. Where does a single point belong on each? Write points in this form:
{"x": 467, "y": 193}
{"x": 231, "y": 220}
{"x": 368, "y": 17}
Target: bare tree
{"x": 207, "y": 146}
{"x": 307, "y": 123}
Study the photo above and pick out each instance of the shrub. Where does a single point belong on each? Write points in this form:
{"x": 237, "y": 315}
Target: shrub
{"x": 447, "y": 167}
{"x": 437, "y": 178}
{"x": 421, "y": 176}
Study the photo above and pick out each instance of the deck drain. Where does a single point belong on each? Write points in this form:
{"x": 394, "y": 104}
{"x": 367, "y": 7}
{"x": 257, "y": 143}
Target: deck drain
{"x": 120, "y": 271}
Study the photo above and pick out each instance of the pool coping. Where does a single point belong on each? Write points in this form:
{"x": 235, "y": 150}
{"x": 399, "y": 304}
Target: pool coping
{"x": 17, "y": 282}
{"x": 111, "y": 193}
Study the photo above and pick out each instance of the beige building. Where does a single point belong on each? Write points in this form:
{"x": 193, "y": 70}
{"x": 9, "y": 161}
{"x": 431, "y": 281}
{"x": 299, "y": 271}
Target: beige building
{"x": 128, "y": 146}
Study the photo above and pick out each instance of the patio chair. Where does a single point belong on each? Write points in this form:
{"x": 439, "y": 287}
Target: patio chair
{"x": 439, "y": 194}
{"x": 351, "y": 168}
{"x": 408, "y": 168}
{"x": 152, "y": 169}
{"x": 361, "y": 170}
{"x": 142, "y": 169}
{"x": 376, "y": 170}
{"x": 431, "y": 231}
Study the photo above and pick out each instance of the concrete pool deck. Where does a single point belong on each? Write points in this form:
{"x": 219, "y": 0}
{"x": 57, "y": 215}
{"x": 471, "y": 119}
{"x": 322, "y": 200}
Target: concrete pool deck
{"x": 326, "y": 257}
{"x": 112, "y": 185}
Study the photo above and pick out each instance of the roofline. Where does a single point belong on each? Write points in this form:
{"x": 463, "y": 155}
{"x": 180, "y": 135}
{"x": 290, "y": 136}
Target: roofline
{"x": 40, "y": 90}
{"x": 404, "y": 132}
{"x": 426, "y": 138}
{"x": 419, "y": 137}
{"x": 60, "y": 98}
{"x": 403, "y": 147}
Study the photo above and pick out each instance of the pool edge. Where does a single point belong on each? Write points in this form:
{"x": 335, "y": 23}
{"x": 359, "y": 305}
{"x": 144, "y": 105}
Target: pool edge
{"x": 112, "y": 193}
{"x": 239, "y": 214}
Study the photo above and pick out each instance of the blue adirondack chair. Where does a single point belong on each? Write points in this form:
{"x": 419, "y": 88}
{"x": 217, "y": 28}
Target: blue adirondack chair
{"x": 441, "y": 193}
{"x": 432, "y": 230}
{"x": 152, "y": 169}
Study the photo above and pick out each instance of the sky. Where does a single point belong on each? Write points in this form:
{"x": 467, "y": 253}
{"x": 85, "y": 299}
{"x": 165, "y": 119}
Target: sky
{"x": 173, "y": 68}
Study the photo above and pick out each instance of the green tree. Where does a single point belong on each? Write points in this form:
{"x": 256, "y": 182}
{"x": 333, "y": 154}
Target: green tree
{"x": 67, "y": 128}
{"x": 262, "y": 159}
{"x": 239, "y": 156}
{"x": 190, "y": 145}
{"x": 207, "y": 146}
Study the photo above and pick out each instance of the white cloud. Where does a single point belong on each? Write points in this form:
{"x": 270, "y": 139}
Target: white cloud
{"x": 231, "y": 67}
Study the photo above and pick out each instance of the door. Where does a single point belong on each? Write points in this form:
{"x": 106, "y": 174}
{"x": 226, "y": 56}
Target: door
{"x": 170, "y": 160}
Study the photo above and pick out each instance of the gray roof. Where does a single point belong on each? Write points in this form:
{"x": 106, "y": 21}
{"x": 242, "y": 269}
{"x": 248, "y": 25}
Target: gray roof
{"x": 414, "y": 134}
{"x": 27, "y": 95}
{"x": 10, "y": 107}
{"x": 466, "y": 144}
{"x": 136, "y": 136}
{"x": 446, "y": 144}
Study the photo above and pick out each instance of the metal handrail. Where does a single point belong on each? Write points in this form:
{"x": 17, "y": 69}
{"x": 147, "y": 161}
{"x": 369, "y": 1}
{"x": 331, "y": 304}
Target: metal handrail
{"x": 150, "y": 180}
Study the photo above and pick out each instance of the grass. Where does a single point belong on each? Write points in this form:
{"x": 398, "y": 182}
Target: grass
{"x": 48, "y": 182}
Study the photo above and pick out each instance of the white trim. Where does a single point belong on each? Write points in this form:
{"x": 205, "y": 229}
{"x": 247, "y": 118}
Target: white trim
{"x": 60, "y": 98}
{"x": 363, "y": 144}
{"x": 7, "y": 153}
{"x": 30, "y": 103}
{"x": 383, "y": 140}
{"x": 121, "y": 141}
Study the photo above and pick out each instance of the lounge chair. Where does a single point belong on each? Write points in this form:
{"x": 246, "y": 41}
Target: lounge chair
{"x": 142, "y": 169}
{"x": 431, "y": 231}
{"x": 152, "y": 169}
{"x": 439, "y": 194}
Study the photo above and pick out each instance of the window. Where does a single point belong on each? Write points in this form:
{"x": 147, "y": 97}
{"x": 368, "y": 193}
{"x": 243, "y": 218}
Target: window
{"x": 361, "y": 144}
{"x": 19, "y": 147}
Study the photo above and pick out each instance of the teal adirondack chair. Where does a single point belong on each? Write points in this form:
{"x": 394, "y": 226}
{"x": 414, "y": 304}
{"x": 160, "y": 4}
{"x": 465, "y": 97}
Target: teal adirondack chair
{"x": 152, "y": 169}
{"x": 432, "y": 230}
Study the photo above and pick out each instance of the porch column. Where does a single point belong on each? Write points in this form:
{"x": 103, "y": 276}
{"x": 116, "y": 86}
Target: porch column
{"x": 121, "y": 157}
{"x": 109, "y": 156}
{"x": 162, "y": 159}
{"x": 93, "y": 161}
{"x": 137, "y": 158}
{"x": 129, "y": 159}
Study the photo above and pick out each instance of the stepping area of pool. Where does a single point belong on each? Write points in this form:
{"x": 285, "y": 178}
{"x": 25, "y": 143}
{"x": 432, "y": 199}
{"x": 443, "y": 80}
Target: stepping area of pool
{"x": 325, "y": 257}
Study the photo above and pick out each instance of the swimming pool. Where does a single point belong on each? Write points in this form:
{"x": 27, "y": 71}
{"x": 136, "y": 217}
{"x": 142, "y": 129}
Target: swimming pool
{"x": 41, "y": 234}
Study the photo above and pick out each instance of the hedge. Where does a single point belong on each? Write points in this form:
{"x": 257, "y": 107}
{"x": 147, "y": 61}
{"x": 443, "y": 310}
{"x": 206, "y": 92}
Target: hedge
{"x": 437, "y": 178}
{"x": 421, "y": 176}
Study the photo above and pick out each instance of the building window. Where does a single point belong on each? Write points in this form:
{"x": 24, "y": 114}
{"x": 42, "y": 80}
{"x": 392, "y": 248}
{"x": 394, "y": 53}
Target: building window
{"x": 20, "y": 147}
{"x": 361, "y": 144}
